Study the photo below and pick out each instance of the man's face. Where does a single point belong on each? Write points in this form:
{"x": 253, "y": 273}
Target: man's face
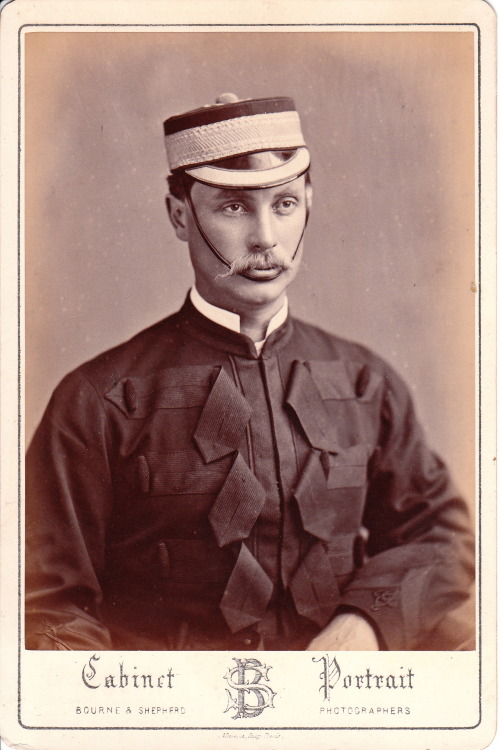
{"x": 265, "y": 224}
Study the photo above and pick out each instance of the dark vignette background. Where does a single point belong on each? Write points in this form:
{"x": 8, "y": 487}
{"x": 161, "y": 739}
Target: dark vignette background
{"x": 389, "y": 260}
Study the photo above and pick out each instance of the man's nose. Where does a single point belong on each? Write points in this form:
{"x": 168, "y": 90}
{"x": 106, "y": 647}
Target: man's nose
{"x": 263, "y": 233}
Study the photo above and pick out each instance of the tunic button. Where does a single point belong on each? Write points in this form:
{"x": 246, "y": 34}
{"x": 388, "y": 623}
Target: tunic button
{"x": 247, "y": 641}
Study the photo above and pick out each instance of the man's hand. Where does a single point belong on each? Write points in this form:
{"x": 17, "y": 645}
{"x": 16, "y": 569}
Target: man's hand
{"x": 346, "y": 632}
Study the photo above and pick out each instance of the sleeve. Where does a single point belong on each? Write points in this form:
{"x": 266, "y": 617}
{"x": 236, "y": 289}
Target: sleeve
{"x": 68, "y": 502}
{"x": 419, "y": 553}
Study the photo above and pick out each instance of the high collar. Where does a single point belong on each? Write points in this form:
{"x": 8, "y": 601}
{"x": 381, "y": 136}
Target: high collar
{"x": 198, "y": 326}
{"x": 232, "y": 320}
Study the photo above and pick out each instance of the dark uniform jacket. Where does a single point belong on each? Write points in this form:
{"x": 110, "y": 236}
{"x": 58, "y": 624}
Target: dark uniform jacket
{"x": 183, "y": 492}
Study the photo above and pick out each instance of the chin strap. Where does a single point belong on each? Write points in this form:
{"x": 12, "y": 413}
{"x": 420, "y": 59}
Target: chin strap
{"x": 214, "y": 249}
{"x": 201, "y": 231}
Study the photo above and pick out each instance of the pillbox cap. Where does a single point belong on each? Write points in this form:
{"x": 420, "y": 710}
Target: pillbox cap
{"x": 248, "y": 143}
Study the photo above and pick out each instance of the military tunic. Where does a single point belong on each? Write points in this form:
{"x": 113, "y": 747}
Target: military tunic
{"x": 185, "y": 492}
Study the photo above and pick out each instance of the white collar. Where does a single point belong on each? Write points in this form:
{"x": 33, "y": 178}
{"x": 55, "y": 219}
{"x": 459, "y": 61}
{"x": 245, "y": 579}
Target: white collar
{"x": 231, "y": 320}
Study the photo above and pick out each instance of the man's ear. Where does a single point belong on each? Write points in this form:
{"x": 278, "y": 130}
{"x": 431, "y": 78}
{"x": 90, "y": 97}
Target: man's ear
{"x": 178, "y": 214}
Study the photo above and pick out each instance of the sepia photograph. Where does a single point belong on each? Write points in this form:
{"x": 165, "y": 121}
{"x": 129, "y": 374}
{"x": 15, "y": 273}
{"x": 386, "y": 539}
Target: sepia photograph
{"x": 249, "y": 472}
{"x": 251, "y": 381}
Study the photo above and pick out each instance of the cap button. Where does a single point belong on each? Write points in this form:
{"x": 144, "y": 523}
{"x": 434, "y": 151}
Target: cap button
{"x": 226, "y": 99}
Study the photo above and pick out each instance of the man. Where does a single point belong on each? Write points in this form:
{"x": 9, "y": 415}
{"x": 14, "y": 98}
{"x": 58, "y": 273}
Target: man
{"x": 232, "y": 478}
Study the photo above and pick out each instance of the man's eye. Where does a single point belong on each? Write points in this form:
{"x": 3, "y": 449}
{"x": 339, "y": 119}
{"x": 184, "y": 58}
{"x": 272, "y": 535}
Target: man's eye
{"x": 233, "y": 208}
{"x": 286, "y": 205}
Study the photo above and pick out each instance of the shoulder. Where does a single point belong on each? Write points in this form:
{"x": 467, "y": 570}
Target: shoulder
{"x": 147, "y": 350}
{"x": 322, "y": 344}
{"x": 356, "y": 361}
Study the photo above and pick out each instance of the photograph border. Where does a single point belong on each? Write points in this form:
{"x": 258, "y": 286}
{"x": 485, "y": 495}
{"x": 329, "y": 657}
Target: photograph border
{"x": 477, "y": 151}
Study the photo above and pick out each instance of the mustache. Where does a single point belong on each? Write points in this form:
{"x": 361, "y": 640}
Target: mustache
{"x": 257, "y": 261}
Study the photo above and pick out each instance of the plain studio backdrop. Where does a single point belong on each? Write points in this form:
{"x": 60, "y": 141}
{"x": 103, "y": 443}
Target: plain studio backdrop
{"x": 389, "y": 251}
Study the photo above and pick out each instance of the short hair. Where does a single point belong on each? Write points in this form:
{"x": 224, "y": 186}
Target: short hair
{"x": 180, "y": 183}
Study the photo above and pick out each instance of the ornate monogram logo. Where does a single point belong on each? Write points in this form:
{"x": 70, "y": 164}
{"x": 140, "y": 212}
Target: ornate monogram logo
{"x": 252, "y": 697}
